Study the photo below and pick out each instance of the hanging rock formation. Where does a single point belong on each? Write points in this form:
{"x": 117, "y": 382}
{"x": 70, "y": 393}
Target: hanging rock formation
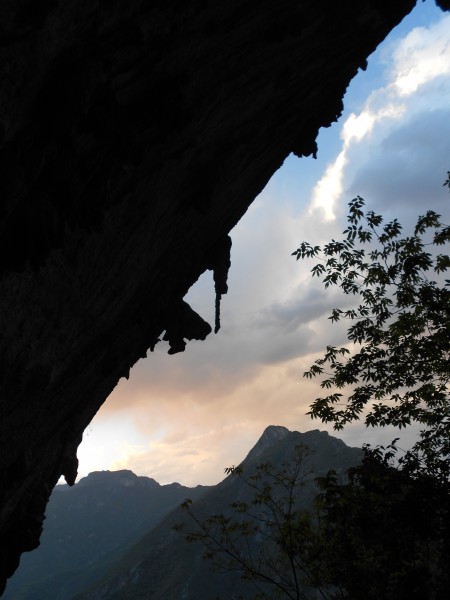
{"x": 133, "y": 137}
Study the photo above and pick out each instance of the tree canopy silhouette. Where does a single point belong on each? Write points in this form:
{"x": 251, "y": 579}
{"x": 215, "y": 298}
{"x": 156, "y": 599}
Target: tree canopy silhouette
{"x": 397, "y": 369}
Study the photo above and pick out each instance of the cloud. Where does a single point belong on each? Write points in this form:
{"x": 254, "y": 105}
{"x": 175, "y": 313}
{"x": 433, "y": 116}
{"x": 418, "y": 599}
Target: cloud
{"x": 189, "y": 460}
{"x": 423, "y": 55}
{"x": 330, "y": 187}
{"x": 308, "y": 302}
{"x": 219, "y": 432}
{"x": 198, "y": 442}
{"x": 417, "y": 80}
{"x": 408, "y": 167}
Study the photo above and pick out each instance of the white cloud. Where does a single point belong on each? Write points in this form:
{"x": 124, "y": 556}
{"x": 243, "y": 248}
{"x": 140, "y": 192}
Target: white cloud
{"x": 421, "y": 56}
{"x": 419, "y": 59}
{"x": 330, "y": 187}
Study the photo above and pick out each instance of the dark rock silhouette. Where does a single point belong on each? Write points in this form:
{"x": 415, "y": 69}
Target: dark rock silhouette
{"x": 133, "y": 137}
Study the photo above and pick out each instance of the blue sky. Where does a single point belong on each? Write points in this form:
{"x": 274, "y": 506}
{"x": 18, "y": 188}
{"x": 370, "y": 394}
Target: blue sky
{"x": 187, "y": 417}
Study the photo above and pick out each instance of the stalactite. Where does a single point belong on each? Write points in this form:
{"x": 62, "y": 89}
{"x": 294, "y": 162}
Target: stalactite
{"x": 221, "y": 267}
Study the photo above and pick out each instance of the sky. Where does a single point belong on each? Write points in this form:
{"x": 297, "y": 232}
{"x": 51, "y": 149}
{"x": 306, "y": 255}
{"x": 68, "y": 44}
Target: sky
{"x": 186, "y": 417}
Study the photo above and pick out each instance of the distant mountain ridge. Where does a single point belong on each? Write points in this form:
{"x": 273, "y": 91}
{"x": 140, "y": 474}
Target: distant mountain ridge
{"x": 90, "y": 526}
{"x": 163, "y": 566}
{"x": 113, "y": 536}
{"x": 122, "y": 477}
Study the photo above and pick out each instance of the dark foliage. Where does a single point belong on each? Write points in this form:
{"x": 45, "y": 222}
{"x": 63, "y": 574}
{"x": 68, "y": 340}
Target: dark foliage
{"x": 380, "y": 535}
{"x": 386, "y": 534}
{"x": 269, "y": 540}
{"x": 398, "y": 370}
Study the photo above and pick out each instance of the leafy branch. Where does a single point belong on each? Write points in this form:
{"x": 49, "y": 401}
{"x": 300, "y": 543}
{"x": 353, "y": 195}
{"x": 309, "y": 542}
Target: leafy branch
{"x": 268, "y": 539}
{"x": 398, "y": 371}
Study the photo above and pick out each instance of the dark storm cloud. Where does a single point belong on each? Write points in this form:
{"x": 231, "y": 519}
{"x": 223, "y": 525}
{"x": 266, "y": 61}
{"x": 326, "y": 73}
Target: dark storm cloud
{"x": 307, "y": 304}
{"x": 407, "y": 170}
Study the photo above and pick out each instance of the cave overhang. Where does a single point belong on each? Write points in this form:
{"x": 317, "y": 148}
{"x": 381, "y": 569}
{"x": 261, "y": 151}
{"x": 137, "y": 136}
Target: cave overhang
{"x": 133, "y": 137}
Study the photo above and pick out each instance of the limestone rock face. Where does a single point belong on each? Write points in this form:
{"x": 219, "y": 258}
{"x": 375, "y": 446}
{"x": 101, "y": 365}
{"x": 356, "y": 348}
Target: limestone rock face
{"x": 133, "y": 137}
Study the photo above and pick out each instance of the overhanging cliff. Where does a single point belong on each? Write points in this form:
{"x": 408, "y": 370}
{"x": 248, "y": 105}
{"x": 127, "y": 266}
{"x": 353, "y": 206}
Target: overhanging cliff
{"x": 133, "y": 137}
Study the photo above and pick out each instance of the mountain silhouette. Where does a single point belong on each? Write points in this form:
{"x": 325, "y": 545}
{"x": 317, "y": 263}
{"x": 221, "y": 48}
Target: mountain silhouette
{"x": 89, "y": 527}
{"x": 163, "y": 565}
{"x": 112, "y": 536}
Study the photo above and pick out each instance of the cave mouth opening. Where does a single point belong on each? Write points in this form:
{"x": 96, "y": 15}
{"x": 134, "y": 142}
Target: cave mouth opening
{"x": 373, "y": 150}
